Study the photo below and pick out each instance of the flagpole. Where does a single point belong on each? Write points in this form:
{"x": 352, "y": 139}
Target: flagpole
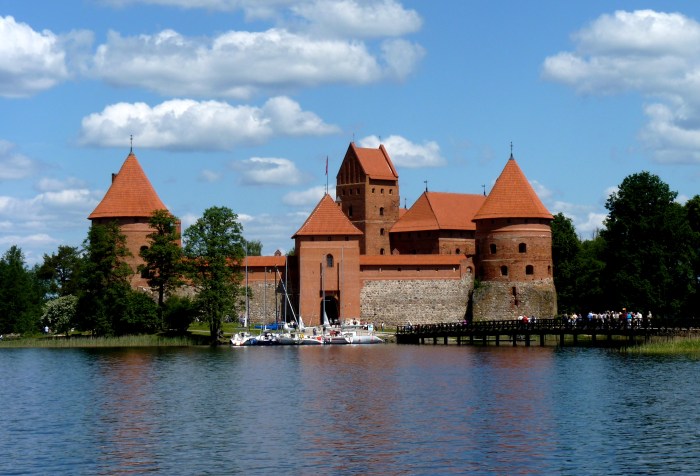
{"x": 326, "y": 175}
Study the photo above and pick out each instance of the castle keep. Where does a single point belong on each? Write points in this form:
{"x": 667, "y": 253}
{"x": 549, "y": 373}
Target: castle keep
{"x": 447, "y": 258}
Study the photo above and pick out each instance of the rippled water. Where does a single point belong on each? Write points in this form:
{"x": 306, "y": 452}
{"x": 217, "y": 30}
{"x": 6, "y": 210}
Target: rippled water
{"x": 383, "y": 409}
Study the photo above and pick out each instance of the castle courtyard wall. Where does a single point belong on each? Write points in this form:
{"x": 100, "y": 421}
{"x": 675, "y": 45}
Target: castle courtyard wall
{"x": 419, "y": 301}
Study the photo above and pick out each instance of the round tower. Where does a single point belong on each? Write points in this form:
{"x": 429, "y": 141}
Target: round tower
{"x": 130, "y": 202}
{"x": 513, "y": 251}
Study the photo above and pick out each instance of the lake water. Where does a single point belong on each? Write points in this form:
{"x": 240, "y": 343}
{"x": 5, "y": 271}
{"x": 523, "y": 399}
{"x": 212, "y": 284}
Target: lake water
{"x": 383, "y": 409}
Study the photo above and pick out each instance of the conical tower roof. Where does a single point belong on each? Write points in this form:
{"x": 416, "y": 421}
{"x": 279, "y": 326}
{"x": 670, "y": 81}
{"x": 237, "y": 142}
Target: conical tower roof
{"x": 130, "y": 195}
{"x": 327, "y": 219}
{"x": 512, "y": 196}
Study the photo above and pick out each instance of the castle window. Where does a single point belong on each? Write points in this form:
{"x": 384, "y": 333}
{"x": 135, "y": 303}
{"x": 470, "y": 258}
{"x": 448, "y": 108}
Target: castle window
{"x": 381, "y": 190}
{"x": 372, "y": 189}
{"x": 381, "y": 211}
{"x": 504, "y": 270}
{"x": 329, "y": 260}
{"x": 529, "y": 269}
{"x": 457, "y": 251}
{"x": 381, "y": 251}
{"x": 381, "y": 232}
{"x": 522, "y": 248}
{"x": 391, "y": 190}
{"x": 350, "y": 211}
{"x": 492, "y": 247}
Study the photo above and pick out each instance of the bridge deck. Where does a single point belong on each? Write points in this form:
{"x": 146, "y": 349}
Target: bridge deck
{"x": 514, "y": 331}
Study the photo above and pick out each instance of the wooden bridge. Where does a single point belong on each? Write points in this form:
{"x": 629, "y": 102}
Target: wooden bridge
{"x": 516, "y": 332}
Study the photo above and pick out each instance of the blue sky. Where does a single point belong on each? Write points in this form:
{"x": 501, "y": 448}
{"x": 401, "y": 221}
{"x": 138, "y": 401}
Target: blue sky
{"x": 238, "y": 103}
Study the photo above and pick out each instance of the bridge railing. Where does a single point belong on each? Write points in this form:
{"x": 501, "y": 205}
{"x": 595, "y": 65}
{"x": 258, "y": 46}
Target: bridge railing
{"x": 549, "y": 325}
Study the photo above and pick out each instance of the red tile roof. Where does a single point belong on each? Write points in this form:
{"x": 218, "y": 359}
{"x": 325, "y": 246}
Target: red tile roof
{"x": 440, "y": 211}
{"x": 512, "y": 196}
{"x": 130, "y": 194}
{"x": 375, "y": 162}
{"x": 268, "y": 261}
{"x": 327, "y": 219}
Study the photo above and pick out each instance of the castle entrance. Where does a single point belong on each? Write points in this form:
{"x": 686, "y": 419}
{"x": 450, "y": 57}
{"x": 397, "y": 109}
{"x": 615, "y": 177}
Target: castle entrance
{"x": 330, "y": 303}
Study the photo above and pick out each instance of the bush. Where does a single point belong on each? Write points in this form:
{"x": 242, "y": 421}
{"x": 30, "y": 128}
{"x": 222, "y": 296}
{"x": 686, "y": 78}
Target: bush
{"x": 179, "y": 313}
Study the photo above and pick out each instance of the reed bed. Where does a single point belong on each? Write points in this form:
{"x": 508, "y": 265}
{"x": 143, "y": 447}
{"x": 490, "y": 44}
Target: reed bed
{"x": 685, "y": 346}
{"x": 83, "y": 342}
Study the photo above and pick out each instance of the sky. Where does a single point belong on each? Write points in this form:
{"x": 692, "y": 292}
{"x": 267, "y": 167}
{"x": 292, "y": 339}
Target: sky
{"x": 239, "y": 103}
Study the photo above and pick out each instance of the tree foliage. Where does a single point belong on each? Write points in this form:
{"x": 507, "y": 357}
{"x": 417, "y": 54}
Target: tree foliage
{"x": 214, "y": 247}
{"x": 102, "y": 303}
{"x": 253, "y": 248}
{"x": 61, "y": 271}
{"x": 648, "y": 247}
{"x": 21, "y": 294}
{"x": 59, "y": 314}
{"x": 163, "y": 257}
{"x": 565, "y": 254}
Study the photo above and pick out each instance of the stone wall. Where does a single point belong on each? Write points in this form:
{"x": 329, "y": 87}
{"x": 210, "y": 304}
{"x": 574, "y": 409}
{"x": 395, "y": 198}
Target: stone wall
{"x": 264, "y": 303}
{"x": 395, "y": 302}
{"x": 493, "y": 301}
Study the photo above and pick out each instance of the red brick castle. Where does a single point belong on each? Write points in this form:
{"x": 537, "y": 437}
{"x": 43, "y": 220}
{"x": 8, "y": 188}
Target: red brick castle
{"x": 449, "y": 257}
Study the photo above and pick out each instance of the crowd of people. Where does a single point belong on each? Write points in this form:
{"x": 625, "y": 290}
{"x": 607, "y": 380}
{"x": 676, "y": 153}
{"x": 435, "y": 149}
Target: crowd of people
{"x": 625, "y": 319}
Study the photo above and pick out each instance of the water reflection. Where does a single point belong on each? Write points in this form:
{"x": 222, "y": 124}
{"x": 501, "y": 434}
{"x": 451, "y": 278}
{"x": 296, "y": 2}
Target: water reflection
{"x": 370, "y": 410}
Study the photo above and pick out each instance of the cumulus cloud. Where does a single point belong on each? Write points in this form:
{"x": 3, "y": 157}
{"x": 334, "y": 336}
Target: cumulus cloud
{"x": 350, "y": 18}
{"x": 205, "y": 125}
{"x": 652, "y": 53}
{"x": 405, "y": 153}
{"x": 359, "y": 19}
{"x": 235, "y": 64}
{"x": 268, "y": 171}
{"x": 30, "y": 61}
{"x": 305, "y": 198}
{"x": 14, "y": 165}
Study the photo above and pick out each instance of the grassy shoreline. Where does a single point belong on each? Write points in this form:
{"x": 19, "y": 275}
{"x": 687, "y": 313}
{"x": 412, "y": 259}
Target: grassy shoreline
{"x": 94, "y": 342}
{"x": 689, "y": 346}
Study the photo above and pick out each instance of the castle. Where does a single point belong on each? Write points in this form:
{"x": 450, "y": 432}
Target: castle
{"x": 447, "y": 258}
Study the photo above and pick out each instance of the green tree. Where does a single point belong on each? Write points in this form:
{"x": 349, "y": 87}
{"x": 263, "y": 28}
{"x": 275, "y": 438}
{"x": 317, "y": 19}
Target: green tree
{"x": 179, "y": 312}
{"x": 649, "y": 255}
{"x": 589, "y": 271}
{"x": 61, "y": 271}
{"x": 21, "y": 295}
{"x": 59, "y": 314}
{"x": 102, "y": 303}
{"x": 253, "y": 248}
{"x": 163, "y": 256}
{"x": 692, "y": 209}
{"x": 214, "y": 249}
{"x": 140, "y": 315}
{"x": 565, "y": 255}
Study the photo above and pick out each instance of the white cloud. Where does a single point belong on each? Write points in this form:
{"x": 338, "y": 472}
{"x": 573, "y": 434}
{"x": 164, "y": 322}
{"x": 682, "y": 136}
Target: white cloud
{"x": 193, "y": 125}
{"x": 305, "y": 198}
{"x": 13, "y": 165}
{"x": 209, "y": 176}
{"x": 235, "y": 64}
{"x": 30, "y": 61}
{"x": 652, "y": 53}
{"x": 359, "y": 19}
{"x": 405, "y": 153}
{"x": 268, "y": 171}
